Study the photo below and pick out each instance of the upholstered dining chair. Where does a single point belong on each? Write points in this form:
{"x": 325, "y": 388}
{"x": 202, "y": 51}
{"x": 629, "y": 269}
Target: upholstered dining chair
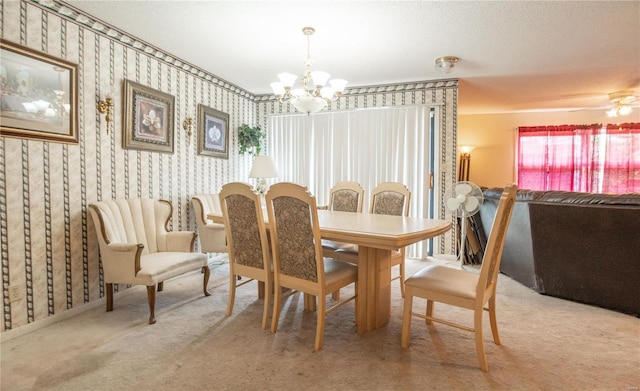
{"x": 388, "y": 198}
{"x": 461, "y": 288}
{"x": 247, "y": 242}
{"x": 345, "y": 196}
{"x": 297, "y": 254}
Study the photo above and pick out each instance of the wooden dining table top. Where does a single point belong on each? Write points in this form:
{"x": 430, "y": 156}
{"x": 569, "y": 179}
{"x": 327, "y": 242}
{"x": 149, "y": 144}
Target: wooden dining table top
{"x": 371, "y": 230}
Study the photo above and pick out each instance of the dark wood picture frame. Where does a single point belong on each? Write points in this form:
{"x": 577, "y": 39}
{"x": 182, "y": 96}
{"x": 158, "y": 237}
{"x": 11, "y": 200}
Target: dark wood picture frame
{"x": 38, "y": 95}
{"x": 213, "y": 132}
{"x": 148, "y": 121}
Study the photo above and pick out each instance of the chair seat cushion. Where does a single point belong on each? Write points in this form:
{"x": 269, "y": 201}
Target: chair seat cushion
{"x": 338, "y": 273}
{"x": 447, "y": 280}
{"x": 158, "y": 267}
{"x": 330, "y": 244}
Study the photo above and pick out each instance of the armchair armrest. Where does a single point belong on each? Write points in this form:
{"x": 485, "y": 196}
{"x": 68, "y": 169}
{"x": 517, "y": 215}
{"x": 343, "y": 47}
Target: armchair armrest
{"x": 121, "y": 261}
{"x": 181, "y": 241}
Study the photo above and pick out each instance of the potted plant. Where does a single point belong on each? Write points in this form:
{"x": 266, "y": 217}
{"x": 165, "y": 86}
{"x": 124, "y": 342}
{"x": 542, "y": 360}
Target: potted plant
{"x": 250, "y": 139}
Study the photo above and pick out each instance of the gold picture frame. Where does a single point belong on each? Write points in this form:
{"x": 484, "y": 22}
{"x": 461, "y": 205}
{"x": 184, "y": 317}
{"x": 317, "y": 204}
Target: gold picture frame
{"x": 213, "y": 132}
{"x": 148, "y": 121}
{"x": 38, "y": 95}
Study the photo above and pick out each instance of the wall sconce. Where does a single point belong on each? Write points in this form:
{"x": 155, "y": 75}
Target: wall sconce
{"x": 465, "y": 162}
{"x": 187, "y": 125}
{"x": 104, "y": 107}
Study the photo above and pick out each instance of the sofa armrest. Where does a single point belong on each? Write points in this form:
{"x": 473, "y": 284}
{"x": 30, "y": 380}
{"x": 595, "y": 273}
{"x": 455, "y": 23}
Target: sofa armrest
{"x": 181, "y": 241}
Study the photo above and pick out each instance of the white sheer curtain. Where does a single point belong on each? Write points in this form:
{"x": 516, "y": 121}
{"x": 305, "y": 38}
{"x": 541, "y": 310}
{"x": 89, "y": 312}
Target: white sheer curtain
{"x": 368, "y": 146}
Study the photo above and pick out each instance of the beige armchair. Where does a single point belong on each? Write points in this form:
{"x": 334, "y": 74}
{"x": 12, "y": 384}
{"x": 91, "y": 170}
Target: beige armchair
{"x": 212, "y": 236}
{"x": 137, "y": 249}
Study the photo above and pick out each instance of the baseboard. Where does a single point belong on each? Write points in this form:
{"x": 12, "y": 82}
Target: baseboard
{"x": 39, "y": 324}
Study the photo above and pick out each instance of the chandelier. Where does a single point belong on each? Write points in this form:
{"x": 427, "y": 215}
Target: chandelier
{"x": 314, "y": 95}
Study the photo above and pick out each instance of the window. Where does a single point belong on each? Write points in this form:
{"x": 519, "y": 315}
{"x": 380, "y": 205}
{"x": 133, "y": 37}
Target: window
{"x": 587, "y": 158}
{"x": 368, "y": 146}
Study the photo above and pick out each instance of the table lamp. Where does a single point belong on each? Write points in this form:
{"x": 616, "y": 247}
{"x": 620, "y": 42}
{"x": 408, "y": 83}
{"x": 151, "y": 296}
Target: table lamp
{"x": 262, "y": 168}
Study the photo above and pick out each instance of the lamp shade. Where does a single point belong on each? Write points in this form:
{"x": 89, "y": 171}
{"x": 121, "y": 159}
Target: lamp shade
{"x": 263, "y": 167}
{"x": 467, "y": 148}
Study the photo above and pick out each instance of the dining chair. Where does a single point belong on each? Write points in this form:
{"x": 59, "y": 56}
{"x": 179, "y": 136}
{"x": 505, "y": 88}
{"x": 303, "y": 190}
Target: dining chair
{"x": 345, "y": 196}
{"x": 247, "y": 242}
{"x": 388, "y": 198}
{"x": 297, "y": 254}
{"x": 462, "y": 288}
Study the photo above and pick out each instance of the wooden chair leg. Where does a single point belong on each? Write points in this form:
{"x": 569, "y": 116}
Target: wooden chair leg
{"x": 493, "y": 321}
{"x": 402, "y": 277}
{"x": 276, "y": 307}
{"x": 322, "y": 314}
{"x": 477, "y": 326}
{"x": 267, "y": 302}
{"x": 406, "y": 321}
{"x": 109, "y": 289}
{"x": 205, "y": 282}
{"x": 232, "y": 293}
{"x": 429, "y": 312}
{"x": 151, "y": 296}
{"x": 160, "y": 286}
{"x": 336, "y": 295}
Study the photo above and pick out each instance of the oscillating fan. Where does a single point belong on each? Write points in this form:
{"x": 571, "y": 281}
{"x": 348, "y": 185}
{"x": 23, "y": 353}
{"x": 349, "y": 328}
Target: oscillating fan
{"x": 463, "y": 199}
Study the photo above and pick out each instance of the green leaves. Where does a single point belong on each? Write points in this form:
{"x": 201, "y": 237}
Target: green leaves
{"x": 250, "y": 139}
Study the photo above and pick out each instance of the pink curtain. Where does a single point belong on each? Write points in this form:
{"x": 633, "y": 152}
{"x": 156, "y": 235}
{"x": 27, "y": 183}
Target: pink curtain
{"x": 621, "y": 172}
{"x": 557, "y": 157}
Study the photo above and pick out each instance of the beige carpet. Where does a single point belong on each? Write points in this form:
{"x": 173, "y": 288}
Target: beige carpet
{"x": 548, "y": 344}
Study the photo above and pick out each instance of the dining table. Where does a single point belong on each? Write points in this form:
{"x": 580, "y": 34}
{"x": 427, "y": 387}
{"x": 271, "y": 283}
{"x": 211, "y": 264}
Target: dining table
{"x": 376, "y": 236}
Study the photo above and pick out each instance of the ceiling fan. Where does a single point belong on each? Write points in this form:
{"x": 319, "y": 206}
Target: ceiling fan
{"x": 622, "y": 103}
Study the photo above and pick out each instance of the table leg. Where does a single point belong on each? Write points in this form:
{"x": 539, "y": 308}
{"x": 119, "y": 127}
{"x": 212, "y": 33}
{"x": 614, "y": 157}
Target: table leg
{"x": 374, "y": 288}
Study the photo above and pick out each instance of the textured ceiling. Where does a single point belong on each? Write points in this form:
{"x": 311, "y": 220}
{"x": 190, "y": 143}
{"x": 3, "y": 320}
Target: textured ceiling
{"x": 514, "y": 55}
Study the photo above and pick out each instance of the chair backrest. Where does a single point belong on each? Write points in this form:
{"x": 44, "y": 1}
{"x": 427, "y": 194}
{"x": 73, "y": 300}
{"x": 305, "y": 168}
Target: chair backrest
{"x": 204, "y": 204}
{"x": 244, "y": 225}
{"x": 495, "y": 244}
{"x": 134, "y": 221}
{"x": 295, "y": 233}
{"x": 390, "y": 198}
{"x": 346, "y": 196}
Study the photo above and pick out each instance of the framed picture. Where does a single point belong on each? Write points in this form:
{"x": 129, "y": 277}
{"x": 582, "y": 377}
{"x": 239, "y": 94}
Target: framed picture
{"x": 148, "y": 119}
{"x": 213, "y": 132}
{"x": 38, "y": 95}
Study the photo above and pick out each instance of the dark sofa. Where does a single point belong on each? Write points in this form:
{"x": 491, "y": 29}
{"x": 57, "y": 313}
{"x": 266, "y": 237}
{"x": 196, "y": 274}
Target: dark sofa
{"x": 578, "y": 246}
